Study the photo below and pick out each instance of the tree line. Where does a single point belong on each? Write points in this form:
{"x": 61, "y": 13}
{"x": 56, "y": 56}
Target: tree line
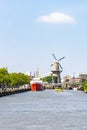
{"x": 12, "y": 79}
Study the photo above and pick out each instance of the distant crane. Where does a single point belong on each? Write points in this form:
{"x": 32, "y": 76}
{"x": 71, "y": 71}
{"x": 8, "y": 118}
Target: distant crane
{"x": 57, "y": 68}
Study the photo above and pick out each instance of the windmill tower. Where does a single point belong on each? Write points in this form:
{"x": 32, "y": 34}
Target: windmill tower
{"x": 57, "y": 68}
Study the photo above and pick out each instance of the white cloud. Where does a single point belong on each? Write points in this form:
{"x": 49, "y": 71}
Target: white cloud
{"x": 56, "y": 17}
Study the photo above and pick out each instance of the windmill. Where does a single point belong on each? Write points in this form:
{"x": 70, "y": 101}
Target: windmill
{"x": 57, "y": 68}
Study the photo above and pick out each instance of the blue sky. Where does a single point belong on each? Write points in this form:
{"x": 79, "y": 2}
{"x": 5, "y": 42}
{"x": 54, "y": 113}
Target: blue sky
{"x": 30, "y": 31}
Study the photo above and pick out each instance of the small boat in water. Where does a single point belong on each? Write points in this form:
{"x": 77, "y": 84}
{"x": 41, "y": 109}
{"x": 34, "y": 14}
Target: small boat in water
{"x": 75, "y": 89}
{"x": 59, "y": 89}
{"x": 36, "y": 84}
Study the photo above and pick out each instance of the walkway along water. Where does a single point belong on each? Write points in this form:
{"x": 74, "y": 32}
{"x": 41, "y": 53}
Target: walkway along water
{"x": 44, "y": 110}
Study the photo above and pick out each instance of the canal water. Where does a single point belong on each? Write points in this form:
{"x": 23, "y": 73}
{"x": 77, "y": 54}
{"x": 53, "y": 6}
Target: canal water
{"x": 44, "y": 110}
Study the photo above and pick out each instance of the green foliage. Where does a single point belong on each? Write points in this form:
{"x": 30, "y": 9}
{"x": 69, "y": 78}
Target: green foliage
{"x": 13, "y": 79}
{"x": 49, "y": 79}
{"x": 17, "y": 79}
{"x": 3, "y": 76}
{"x": 3, "y": 71}
{"x": 84, "y": 86}
{"x": 83, "y": 80}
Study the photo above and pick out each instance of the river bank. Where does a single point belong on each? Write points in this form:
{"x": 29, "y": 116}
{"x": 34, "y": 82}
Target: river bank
{"x": 10, "y": 91}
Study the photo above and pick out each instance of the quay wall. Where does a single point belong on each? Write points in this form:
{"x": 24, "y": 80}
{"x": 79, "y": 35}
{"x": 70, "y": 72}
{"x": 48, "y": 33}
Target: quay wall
{"x": 10, "y": 91}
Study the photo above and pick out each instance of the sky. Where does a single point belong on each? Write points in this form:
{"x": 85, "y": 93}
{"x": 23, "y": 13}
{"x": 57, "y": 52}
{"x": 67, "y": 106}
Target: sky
{"x": 31, "y": 30}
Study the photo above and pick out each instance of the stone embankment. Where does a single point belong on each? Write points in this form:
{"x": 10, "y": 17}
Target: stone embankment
{"x": 9, "y": 91}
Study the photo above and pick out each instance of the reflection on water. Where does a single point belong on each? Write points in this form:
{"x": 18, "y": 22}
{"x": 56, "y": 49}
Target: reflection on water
{"x": 44, "y": 110}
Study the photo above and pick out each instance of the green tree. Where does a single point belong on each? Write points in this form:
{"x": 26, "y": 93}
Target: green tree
{"x": 4, "y": 71}
{"x": 12, "y": 79}
{"x": 4, "y": 76}
{"x": 84, "y": 86}
{"x": 49, "y": 79}
{"x": 17, "y": 79}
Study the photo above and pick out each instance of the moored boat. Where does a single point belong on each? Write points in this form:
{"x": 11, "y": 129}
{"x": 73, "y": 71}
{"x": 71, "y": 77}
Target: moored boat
{"x": 36, "y": 84}
{"x": 75, "y": 89}
{"x": 59, "y": 89}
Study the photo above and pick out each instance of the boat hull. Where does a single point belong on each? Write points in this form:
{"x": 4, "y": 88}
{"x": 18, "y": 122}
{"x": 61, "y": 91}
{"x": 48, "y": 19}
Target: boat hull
{"x": 36, "y": 84}
{"x": 36, "y": 87}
